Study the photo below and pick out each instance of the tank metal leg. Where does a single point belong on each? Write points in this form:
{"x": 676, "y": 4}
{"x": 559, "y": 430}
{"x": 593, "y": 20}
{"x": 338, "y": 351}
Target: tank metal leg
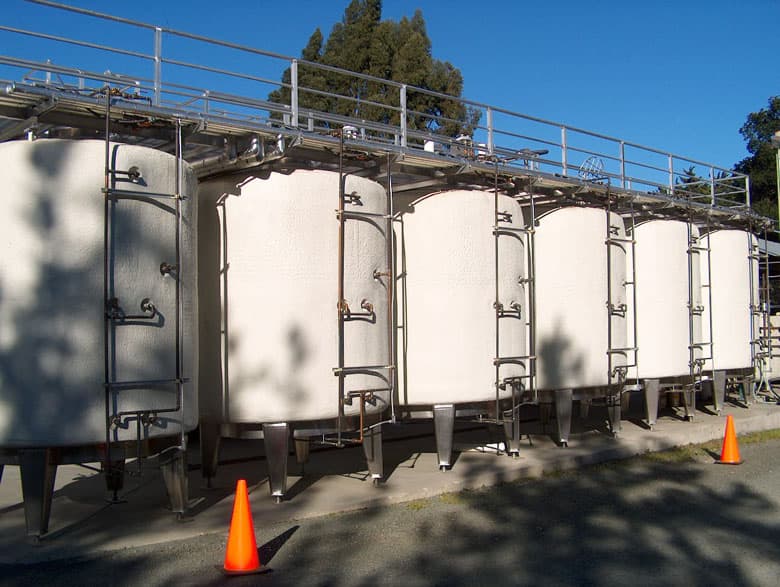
{"x": 372, "y": 447}
{"x": 689, "y": 402}
{"x": 652, "y": 391}
{"x": 114, "y": 471}
{"x": 585, "y": 408}
{"x": 38, "y": 472}
{"x": 444, "y": 426}
{"x": 277, "y": 447}
{"x": 512, "y": 434}
{"x": 210, "y": 440}
{"x": 614, "y": 412}
{"x": 563, "y": 407}
{"x": 174, "y": 472}
{"x": 750, "y": 390}
{"x": 718, "y": 390}
{"x": 302, "y": 450}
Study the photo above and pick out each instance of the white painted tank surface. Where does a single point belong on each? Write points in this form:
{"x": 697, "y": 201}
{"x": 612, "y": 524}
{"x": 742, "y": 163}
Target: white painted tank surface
{"x": 662, "y": 297}
{"x": 445, "y": 257}
{"x": 52, "y": 304}
{"x": 275, "y": 241}
{"x": 733, "y": 323}
{"x": 572, "y": 319}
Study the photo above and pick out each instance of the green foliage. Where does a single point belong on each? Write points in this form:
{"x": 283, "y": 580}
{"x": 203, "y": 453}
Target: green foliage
{"x": 760, "y": 166}
{"x": 395, "y": 51}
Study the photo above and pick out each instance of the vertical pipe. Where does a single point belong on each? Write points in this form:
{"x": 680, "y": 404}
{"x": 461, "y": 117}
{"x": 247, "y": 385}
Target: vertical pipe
{"x": 709, "y": 295}
{"x": 341, "y": 301}
{"x": 635, "y": 342}
{"x": 691, "y": 251}
{"x": 225, "y": 315}
{"x": 294, "y": 93}
{"x": 609, "y": 292}
{"x": 106, "y": 275}
{"x": 531, "y": 270}
{"x": 390, "y": 250}
{"x": 768, "y": 306}
{"x": 403, "y": 115}
{"x": 497, "y": 302}
{"x": 157, "y": 65}
{"x": 670, "y": 164}
{"x": 564, "y": 153}
{"x": 179, "y": 273}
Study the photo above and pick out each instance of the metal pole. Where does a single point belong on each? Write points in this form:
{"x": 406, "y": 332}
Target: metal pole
{"x": 622, "y": 164}
{"x": 670, "y": 159}
{"x": 712, "y": 186}
{"x": 563, "y": 152}
{"x": 403, "y": 115}
{"x": 490, "y": 131}
{"x": 157, "y": 65}
{"x": 294, "y": 93}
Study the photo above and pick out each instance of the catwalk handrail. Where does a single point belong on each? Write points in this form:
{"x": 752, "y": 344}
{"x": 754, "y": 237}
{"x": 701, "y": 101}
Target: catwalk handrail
{"x": 499, "y": 133}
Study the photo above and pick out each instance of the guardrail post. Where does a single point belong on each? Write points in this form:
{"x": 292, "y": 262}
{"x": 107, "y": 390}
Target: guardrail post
{"x": 622, "y": 164}
{"x": 670, "y": 160}
{"x": 712, "y": 186}
{"x": 294, "y": 93}
{"x": 403, "y": 115}
{"x": 564, "y": 154}
{"x": 157, "y": 65}
{"x": 490, "y": 131}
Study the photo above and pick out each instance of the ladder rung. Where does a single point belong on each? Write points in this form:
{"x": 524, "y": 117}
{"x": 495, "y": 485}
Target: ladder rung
{"x": 510, "y": 229}
{"x": 502, "y": 360}
{"x": 358, "y": 370}
{"x": 130, "y": 194}
{"x": 142, "y": 383}
{"x": 615, "y": 240}
{"x": 353, "y": 214}
{"x": 621, "y": 350}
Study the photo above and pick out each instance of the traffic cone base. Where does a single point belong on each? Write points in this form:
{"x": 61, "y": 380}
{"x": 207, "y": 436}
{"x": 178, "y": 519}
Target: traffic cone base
{"x": 729, "y": 452}
{"x": 241, "y": 557}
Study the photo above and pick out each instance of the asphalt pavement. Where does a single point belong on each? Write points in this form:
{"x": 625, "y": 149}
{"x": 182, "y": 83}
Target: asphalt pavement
{"x": 569, "y": 528}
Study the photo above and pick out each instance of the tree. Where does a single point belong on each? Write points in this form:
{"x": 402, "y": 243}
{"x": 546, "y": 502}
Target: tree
{"x": 760, "y": 166}
{"x": 395, "y": 51}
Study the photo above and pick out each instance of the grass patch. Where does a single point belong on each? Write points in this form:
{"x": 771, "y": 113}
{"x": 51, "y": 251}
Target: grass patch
{"x": 453, "y": 498}
{"x": 762, "y": 436}
{"x": 417, "y": 505}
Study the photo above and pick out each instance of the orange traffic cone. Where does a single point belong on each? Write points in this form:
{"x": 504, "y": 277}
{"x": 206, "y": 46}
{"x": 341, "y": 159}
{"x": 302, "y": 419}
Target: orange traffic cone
{"x": 241, "y": 557}
{"x": 729, "y": 452}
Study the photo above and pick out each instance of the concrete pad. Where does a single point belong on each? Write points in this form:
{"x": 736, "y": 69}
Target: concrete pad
{"x": 335, "y": 480}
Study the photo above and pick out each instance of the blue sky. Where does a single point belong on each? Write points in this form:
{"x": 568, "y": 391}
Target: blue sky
{"x": 676, "y": 75}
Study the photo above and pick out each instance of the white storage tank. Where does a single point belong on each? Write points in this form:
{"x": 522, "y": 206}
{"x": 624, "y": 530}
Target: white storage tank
{"x": 57, "y": 350}
{"x": 447, "y": 291}
{"x": 666, "y": 276}
{"x": 580, "y": 268}
{"x": 450, "y": 277}
{"x": 52, "y": 315}
{"x": 269, "y": 266}
{"x": 733, "y": 278}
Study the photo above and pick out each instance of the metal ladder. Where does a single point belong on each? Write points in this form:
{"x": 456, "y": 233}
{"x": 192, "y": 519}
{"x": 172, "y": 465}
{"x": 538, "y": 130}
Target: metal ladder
{"x": 616, "y": 374}
{"x": 520, "y": 391}
{"x": 757, "y": 310}
{"x": 174, "y": 470}
{"x": 695, "y": 364}
{"x": 370, "y": 435}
